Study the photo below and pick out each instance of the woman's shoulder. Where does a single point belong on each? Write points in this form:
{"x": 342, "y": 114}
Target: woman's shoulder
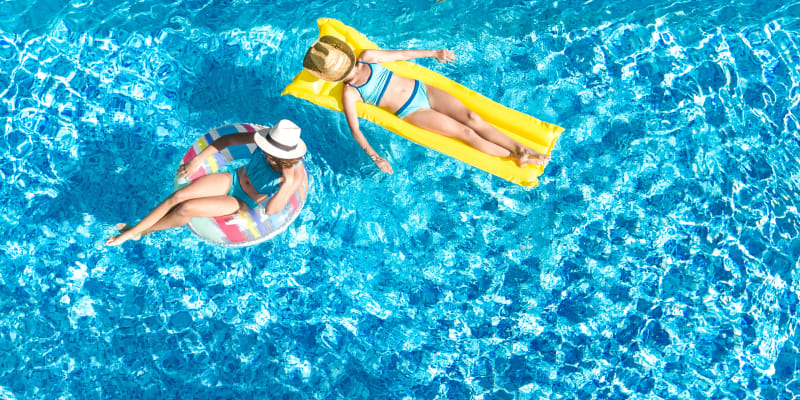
{"x": 299, "y": 171}
{"x": 365, "y": 54}
{"x": 298, "y": 175}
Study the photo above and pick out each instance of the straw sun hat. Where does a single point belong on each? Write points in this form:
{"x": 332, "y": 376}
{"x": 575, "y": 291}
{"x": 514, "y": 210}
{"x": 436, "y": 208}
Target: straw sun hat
{"x": 282, "y": 140}
{"x": 330, "y": 59}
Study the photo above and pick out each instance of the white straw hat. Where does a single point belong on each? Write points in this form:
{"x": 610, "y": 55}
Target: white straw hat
{"x": 282, "y": 140}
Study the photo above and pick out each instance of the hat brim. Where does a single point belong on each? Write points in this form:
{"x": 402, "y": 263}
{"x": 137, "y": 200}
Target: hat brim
{"x": 267, "y": 147}
{"x": 340, "y": 45}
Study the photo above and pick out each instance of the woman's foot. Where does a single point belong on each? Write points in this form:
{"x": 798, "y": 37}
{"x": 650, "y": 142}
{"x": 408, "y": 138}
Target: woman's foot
{"x": 125, "y": 235}
{"x": 527, "y": 156}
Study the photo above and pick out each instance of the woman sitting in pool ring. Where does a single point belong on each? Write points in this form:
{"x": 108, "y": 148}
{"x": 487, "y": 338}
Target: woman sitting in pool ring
{"x": 423, "y": 105}
{"x": 274, "y": 171}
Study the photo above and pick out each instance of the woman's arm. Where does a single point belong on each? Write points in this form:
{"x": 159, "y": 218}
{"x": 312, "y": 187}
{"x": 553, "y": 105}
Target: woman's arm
{"x": 185, "y": 170}
{"x": 290, "y": 182}
{"x": 349, "y": 97}
{"x": 379, "y": 56}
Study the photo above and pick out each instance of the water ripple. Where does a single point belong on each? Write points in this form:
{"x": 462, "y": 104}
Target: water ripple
{"x": 657, "y": 259}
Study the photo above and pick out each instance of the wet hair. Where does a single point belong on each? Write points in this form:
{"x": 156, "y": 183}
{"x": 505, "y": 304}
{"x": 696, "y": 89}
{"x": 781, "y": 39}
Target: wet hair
{"x": 279, "y": 164}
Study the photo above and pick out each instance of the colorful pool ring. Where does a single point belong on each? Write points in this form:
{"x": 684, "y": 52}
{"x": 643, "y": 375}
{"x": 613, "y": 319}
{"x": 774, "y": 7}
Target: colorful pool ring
{"x": 523, "y": 128}
{"x": 243, "y": 228}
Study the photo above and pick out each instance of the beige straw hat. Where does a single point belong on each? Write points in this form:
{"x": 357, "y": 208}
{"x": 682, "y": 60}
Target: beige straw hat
{"x": 330, "y": 59}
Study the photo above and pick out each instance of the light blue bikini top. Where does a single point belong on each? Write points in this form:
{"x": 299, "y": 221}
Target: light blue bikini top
{"x": 261, "y": 175}
{"x": 372, "y": 90}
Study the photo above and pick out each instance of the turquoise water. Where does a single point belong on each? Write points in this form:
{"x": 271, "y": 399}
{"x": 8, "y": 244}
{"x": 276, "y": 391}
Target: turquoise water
{"x": 657, "y": 260}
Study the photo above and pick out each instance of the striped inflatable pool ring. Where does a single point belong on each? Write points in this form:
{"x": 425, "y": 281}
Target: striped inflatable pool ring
{"x": 242, "y": 228}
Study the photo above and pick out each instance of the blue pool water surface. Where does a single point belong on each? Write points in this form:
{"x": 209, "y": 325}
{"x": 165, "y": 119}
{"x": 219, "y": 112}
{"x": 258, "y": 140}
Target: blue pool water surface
{"x": 657, "y": 260}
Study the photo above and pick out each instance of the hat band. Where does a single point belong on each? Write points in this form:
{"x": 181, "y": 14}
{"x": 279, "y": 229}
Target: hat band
{"x": 280, "y": 145}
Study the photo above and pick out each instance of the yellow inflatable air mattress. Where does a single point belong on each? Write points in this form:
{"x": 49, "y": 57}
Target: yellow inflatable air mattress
{"x": 523, "y": 128}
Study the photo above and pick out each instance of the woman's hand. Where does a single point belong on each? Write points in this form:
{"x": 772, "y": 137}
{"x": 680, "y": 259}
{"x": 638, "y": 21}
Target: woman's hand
{"x": 444, "y": 56}
{"x": 186, "y": 170}
{"x": 382, "y": 163}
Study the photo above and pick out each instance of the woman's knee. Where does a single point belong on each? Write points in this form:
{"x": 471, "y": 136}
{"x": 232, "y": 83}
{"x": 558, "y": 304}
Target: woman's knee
{"x": 179, "y": 196}
{"x": 473, "y": 119}
{"x": 470, "y": 136}
{"x": 184, "y": 209}
{"x": 462, "y": 132}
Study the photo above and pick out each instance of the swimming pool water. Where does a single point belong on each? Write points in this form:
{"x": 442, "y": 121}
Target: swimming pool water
{"x": 657, "y": 260}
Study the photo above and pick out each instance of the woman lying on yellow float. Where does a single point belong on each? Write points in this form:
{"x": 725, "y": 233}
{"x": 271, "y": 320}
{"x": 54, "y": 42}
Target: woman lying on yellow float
{"x": 420, "y": 104}
{"x": 523, "y": 129}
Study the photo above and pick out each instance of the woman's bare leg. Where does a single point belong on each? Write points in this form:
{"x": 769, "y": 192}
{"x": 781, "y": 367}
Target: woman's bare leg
{"x": 206, "y": 186}
{"x": 434, "y": 121}
{"x": 202, "y": 207}
{"x": 447, "y": 104}
{"x": 123, "y": 227}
